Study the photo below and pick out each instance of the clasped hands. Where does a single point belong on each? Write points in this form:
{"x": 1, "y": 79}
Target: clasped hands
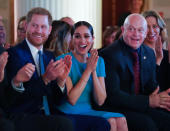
{"x": 56, "y": 70}
{"x": 160, "y": 100}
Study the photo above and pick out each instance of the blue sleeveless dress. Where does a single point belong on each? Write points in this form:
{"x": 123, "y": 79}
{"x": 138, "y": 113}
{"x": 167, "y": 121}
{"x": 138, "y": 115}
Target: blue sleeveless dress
{"x": 83, "y": 105}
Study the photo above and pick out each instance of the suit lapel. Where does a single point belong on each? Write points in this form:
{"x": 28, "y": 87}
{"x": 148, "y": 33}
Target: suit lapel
{"x": 129, "y": 65}
{"x": 127, "y": 58}
{"x": 28, "y": 56}
{"x": 27, "y": 53}
{"x": 143, "y": 64}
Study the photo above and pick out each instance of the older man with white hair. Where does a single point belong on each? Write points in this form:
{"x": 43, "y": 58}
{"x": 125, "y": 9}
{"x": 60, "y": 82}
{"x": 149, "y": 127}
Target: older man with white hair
{"x": 130, "y": 80}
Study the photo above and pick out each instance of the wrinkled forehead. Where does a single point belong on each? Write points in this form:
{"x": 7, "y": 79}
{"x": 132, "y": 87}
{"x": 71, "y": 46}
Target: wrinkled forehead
{"x": 136, "y": 22}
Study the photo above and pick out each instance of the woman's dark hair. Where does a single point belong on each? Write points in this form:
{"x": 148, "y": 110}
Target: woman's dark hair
{"x": 80, "y": 23}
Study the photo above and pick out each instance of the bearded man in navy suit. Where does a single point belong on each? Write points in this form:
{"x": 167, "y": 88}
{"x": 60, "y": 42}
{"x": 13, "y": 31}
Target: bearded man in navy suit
{"x": 145, "y": 108}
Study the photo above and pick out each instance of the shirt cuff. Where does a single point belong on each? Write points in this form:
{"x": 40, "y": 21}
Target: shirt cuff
{"x": 19, "y": 88}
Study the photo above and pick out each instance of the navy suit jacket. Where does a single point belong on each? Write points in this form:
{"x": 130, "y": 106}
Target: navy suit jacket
{"x": 29, "y": 101}
{"x": 120, "y": 78}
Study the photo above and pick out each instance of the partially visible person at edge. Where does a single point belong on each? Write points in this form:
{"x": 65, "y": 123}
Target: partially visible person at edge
{"x": 5, "y": 124}
{"x": 131, "y": 80}
{"x": 3, "y": 41}
{"x": 156, "y": 36}
{"x": 86, "y": 79}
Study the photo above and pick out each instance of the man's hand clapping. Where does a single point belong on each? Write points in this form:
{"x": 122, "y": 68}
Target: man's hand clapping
{"x": 24, "y": 74}
{"x": 57, "y": 70}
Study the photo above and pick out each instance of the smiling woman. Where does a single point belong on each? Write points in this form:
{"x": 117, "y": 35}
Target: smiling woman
{"x": 85, "y": 83}
{"x": 156, "y": 36}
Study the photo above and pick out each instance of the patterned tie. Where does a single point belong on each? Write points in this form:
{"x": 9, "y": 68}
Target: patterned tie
{"x": 136, "y": 69}
{"x": 42, "y": 71}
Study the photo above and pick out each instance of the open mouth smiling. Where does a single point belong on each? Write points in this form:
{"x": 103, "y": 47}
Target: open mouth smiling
{"x": 83, "y": 46}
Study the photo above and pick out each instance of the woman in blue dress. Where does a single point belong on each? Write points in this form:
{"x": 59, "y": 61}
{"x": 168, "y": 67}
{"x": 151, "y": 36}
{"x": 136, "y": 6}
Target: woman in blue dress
{"x": 86, "y": 79}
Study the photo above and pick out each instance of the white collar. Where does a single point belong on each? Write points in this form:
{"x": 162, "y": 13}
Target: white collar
{"x": 33, "y": 48}
{"x": 34, "y": 52}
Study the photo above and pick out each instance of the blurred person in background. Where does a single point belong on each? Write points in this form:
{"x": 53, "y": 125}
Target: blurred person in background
{"x": 21, "y": 29}
{"x": 136, "y": 6}
{"x": 109, "y": 35}
{"x": 3, "y": 42}
{"x": 68, "y": 20}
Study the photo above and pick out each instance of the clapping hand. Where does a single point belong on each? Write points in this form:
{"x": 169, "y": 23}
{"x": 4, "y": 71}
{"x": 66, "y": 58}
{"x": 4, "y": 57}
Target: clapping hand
{"x": 67, "y": 67}
{"x": 7, "y": 45}
{"x": 92, "y": 60}
{"x": 57, "y": 70}
{"x": 62, "y": 78}
{"x": 24, "y": 74}
{"x": 53, "y": 70}
{"x": 3, "y": 62}
{"x": 158, "y": 51}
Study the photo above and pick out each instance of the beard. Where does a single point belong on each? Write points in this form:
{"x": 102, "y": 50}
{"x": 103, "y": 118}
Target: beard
{"x": 36, "y": 39}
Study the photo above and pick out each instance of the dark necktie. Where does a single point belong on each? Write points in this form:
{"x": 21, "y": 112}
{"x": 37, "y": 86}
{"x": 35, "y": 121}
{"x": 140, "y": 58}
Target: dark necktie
{"x": 42, "y": 71}
{"x": 136, "y": 69}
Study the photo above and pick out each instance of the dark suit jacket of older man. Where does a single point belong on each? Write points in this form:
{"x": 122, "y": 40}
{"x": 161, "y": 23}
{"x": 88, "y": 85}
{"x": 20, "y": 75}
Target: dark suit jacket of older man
{"x": 121, "y": 96}
{"x": 120, "y": 77}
